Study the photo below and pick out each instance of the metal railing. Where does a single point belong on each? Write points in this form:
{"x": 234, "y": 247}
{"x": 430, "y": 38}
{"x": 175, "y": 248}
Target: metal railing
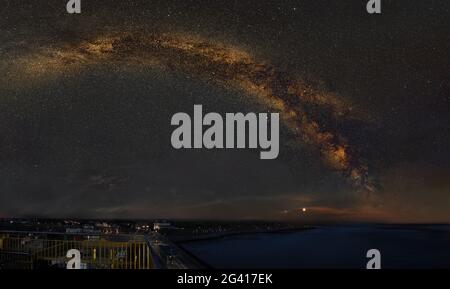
{"x": 36, "y": 252}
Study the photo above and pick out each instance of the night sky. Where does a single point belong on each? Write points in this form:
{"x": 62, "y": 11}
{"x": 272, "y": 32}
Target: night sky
{"x": 364, "y": 101}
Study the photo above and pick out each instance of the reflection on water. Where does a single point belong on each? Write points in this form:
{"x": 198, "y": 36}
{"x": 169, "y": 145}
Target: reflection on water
{"x": 330, "y": 247}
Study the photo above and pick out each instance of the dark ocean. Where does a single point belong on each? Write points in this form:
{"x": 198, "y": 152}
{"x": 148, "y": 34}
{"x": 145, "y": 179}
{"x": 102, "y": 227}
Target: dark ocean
{"x": 401, "y": 246}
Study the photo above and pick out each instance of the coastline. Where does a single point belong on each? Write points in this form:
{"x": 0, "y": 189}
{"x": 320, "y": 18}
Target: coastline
{"x": 207, "y": 237}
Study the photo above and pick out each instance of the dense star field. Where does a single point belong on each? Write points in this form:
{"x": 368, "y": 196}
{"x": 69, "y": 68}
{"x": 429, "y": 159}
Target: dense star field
{"x": 364, "y": 102}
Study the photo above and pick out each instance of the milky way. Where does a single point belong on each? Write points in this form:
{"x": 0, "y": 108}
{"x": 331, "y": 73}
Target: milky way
{"x": 87, "y": 100}
{"x": 220, "y": 64}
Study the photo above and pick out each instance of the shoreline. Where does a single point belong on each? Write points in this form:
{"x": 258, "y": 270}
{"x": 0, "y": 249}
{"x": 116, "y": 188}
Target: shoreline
{"x": 182, "y": 241}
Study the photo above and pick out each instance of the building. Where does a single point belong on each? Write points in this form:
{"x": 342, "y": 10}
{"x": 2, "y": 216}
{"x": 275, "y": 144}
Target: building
{"x": 161, "y": 225}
